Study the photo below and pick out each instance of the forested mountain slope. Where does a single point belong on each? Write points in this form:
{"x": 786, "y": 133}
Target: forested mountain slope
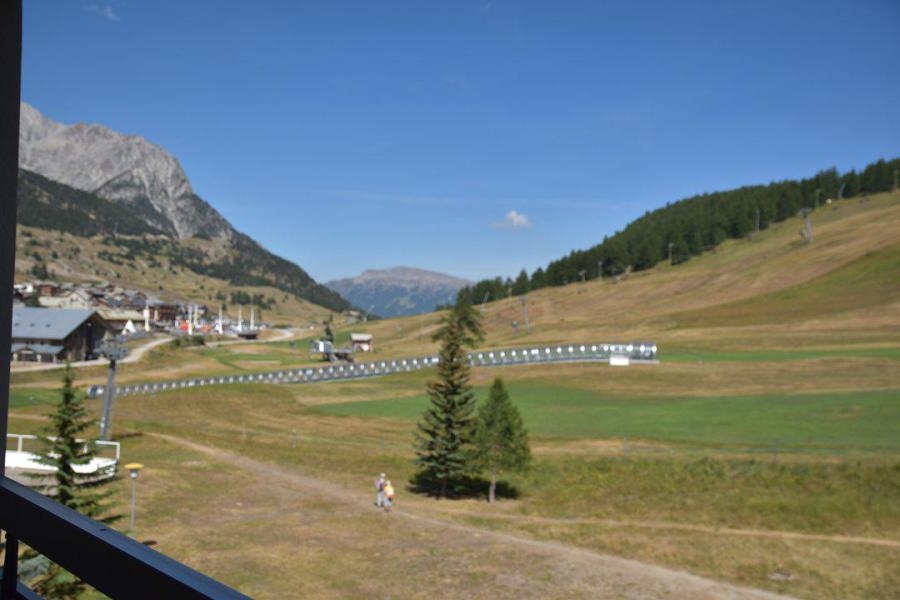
{"x": 236, "y": 261}
{"x": 87, "y": 179}
{"x": 842, "y": 288}
{"x": 694, "y": 225}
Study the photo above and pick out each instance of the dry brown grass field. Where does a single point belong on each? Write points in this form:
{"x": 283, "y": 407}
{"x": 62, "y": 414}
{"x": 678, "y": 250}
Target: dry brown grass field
{"x": 759, "y": 459}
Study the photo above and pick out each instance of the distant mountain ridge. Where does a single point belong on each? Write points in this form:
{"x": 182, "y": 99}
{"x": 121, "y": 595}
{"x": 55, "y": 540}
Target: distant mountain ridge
{"x": 399, "y": 291}
{"x": 90, "y": 180}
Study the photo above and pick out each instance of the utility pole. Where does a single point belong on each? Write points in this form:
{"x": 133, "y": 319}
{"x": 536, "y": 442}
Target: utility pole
{"x": 599, "y": 269}
{"x": 114, "y": 351}
{"x": 756, "y": 225}
{"x": 841, "y": 190}
{"x": 805, "y": 213}
{"x": 524, "y": 300}
{"x": 671, "y": 244}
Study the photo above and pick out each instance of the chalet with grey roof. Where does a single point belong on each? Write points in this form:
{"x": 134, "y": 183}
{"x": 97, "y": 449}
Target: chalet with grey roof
{"x": 56, "y": 334}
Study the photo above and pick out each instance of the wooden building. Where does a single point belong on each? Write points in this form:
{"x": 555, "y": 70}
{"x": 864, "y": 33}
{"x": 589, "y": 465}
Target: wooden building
{"x": 362, "y": 342}
{"x": 56, "y": 334}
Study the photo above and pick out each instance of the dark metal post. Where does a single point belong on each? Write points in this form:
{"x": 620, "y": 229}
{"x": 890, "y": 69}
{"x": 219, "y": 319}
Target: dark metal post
{"x": 114, "y": 350}
{"x": 10, "y": 569}
{"x": 10, "y": 72}
{"x": 525, "y": 307}
{"x": 105, "y": 424}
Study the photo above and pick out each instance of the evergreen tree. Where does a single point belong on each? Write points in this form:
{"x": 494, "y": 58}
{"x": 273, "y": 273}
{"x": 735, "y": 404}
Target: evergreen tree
{"x": 521, "y": 284}
{"x": 64, "y": 450}
{"x": 445, "y": 429}
{"x": 468, "y": 323}
{"x": 34, "y": 300}
{"x": 329, "y": 335}
{"x": 501, "y": 441}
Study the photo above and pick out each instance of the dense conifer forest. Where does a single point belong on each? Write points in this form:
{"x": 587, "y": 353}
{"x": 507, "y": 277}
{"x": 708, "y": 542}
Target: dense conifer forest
{"x": 691, "y": 226}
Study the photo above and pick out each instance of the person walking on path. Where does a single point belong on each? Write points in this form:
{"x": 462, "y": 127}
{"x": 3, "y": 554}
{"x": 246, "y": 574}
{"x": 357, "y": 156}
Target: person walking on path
{"x": 379, "y": 490}
{"x": 388, "y": 495}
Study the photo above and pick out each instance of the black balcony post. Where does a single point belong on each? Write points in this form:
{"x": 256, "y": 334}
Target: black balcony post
{"x": 10, "y": 569}
{"x": 10, "y": 73}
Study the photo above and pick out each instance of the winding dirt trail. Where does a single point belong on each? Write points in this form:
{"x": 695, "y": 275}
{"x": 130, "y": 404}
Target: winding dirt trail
{"x": 609, "y": 576}
{"x": 667, "y": 525}
{"x": 134, "y": 355}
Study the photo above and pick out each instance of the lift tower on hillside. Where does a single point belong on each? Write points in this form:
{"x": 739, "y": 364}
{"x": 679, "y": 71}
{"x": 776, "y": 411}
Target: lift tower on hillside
{"x": 114, "y": 350}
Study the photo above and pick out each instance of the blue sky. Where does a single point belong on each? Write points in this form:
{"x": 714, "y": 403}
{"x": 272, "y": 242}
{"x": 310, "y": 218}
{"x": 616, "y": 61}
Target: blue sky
{"x": 471, "y": 137}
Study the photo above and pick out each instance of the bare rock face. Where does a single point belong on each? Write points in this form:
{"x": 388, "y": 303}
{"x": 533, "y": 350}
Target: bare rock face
{"x": 126, "y": 169}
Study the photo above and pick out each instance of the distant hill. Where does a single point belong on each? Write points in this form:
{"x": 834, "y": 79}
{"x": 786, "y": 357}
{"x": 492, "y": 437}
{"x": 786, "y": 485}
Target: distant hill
{"x": 398, "y": 291}
{"x": 691, "y": 226}
{"x": 841, "y": 288}
{"x": 90, "y": 180}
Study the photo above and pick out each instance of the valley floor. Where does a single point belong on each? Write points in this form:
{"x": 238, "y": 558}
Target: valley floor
{"x": 761, "y": 457}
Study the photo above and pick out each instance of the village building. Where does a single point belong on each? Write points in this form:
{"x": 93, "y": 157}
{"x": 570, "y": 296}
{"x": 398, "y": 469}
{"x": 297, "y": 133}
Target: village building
{"x": 56, "y": 334}
{"x": 76, "y": 298}
{"x": 362, "y": 342}
{"x": 163, "y": 312}
{"x": 123, "y": 321}
{"x": 46, "y": 288}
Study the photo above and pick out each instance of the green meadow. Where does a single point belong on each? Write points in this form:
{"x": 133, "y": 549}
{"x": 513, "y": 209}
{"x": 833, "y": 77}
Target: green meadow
{"x": 867, "y": 420}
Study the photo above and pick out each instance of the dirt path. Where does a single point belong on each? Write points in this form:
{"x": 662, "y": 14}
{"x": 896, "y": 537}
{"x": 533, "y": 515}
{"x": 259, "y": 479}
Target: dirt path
{"x": 139, "y": 352}
{"x": 666, "y": 525}
{"x": 622, "y": 578}
{"x": 283, "y": 334}
{"x": 134, "y": 355}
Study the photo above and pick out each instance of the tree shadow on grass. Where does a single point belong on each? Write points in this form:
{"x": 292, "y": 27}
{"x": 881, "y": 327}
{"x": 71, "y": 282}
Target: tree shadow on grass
{"x": 463, "y": 488}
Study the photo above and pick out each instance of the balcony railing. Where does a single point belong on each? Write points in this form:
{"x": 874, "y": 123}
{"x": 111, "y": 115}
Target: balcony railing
{"x": 109, "y": 561}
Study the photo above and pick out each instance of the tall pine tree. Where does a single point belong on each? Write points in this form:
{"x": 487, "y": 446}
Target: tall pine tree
{"x": 468, "y": 323}
{"x": 64, "y": 450}
{"x": 501, "y": 441}
{"x": 445, "y": 430}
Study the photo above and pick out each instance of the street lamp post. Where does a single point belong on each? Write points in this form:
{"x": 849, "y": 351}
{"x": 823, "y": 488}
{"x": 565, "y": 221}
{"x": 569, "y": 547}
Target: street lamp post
{"x": 133, "y": 469}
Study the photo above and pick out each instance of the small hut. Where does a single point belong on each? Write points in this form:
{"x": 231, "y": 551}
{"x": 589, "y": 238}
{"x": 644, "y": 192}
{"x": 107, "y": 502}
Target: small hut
{"x": 362, "y": 342}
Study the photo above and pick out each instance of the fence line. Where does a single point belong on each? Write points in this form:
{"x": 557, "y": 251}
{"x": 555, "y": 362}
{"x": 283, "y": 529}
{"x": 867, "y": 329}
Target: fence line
{"x": 635, "y": 352}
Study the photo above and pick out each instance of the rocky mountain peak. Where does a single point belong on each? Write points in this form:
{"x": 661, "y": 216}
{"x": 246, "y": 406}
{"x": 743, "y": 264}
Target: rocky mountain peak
{"x": 126, "y": 169}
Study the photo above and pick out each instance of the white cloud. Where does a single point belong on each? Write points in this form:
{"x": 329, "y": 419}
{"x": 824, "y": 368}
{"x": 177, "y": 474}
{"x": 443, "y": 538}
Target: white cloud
{"x": 514, "y": 220}
{"x": 106, "y": 12}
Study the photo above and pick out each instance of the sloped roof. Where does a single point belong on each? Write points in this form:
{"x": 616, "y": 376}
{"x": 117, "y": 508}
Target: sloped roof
{"x": 361, "y": 337}
{"x": 47, "y": 323}
{"x": 38, "y": 348}
{"x": 113, "y": 314}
